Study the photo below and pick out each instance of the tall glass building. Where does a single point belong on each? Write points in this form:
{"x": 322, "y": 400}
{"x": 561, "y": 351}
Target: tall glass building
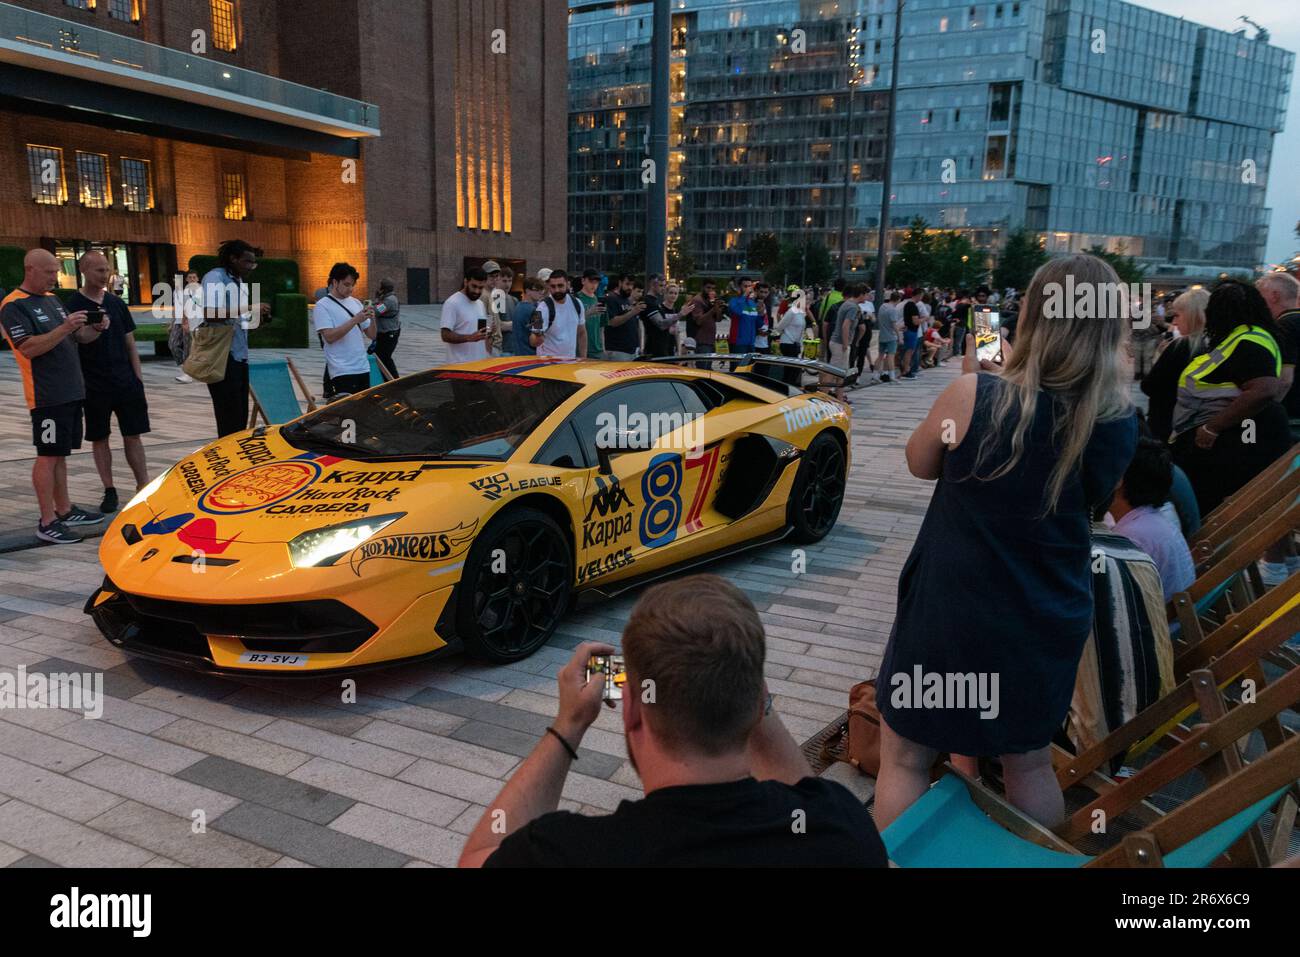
{"x": 1087, "y": 121}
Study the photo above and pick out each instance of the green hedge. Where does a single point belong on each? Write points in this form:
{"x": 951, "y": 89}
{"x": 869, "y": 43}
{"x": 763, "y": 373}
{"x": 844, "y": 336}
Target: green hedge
{"x": 273, "y": 276}
{"x": 11, "y": 267}
{"x": 288, "y": 330}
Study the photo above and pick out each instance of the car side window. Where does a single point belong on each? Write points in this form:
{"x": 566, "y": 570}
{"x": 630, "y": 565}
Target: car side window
{"x": 563, "y": 450}
{"x": 613, "y": 408}
{"x": 692, "y": 399}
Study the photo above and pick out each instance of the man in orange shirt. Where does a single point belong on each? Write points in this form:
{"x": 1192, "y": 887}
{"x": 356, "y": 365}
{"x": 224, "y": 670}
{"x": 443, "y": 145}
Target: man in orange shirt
{"x": 43, "y": 336}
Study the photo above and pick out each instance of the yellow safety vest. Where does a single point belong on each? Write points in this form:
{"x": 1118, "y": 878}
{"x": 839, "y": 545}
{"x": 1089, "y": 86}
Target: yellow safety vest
{"x": 1198, "y": 400}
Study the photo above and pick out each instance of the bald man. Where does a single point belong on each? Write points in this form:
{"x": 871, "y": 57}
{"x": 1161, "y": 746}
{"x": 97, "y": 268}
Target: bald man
{"x": 43, "y": 335}
{"x": 114, "y": 382}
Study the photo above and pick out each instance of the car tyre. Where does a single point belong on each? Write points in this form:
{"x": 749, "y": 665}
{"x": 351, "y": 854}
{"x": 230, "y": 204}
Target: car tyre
{"x": 508, "y": 605}
{"x": 818, "y": 491}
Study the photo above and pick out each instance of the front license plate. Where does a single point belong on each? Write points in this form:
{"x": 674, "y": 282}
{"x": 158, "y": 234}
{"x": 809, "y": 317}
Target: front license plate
{"x": 278, "y": 661}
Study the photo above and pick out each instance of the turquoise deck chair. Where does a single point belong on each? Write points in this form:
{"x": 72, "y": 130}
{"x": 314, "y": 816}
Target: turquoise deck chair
{"x": 946, "y": 829}
{"x": 271, "y": 386}
{"x": 379, "y": 373}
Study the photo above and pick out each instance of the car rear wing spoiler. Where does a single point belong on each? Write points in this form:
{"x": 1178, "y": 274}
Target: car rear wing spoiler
{"x": 747, "y": 360}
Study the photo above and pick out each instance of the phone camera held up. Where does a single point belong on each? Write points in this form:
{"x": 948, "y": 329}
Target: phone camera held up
{"x": 988, "y": 333}
{"x": 95, "y": 317}
{"x": 614, "y": 672}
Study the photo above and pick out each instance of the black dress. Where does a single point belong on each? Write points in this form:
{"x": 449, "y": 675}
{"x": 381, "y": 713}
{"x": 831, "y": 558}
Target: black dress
{"x": 1161, "y": 387}
{"x": 994, "y": 587}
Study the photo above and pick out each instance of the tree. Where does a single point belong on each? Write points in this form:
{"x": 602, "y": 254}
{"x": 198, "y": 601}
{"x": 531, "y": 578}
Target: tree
{"x": 631, "y": 259}
{"x": 681, "y": 258}
{"x": 1020, "y": 259}
{"x": 912, "y": 264}
{"x": 956, "y": 263}
{"x": 816, "y": 268}
{"x": 1128, "y": 268}
{"x": 764, "y": 253}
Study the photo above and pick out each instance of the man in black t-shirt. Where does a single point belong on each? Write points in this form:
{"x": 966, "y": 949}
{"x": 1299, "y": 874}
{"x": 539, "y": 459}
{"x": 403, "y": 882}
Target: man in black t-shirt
{"x": 1281, "y": 292}
{"x": 114, "y": 382}
{"x": 622, "y": 333}
{"x": 725, "y": 784}
{"x": 659, "y": 339}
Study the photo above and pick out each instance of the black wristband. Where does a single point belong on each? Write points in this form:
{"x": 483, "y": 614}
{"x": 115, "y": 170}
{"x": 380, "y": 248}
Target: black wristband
{"x": 567, "y": 747}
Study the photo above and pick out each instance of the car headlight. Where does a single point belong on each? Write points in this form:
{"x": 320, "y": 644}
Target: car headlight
{"x": 324, "y": 546}
{"x": 148, "y": 490}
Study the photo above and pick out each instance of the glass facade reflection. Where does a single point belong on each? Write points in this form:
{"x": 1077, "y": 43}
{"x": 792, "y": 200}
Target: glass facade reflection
{"x": 1089, "y": 121}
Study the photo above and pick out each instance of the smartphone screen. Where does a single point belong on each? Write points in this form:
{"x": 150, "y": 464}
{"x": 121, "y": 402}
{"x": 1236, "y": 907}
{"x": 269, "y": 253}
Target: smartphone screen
{"x": 988, "y": 337}
{"x": 614, "y": 672}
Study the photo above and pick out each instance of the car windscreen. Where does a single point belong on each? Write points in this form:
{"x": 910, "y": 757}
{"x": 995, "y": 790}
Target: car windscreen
{"x": 439, "y": 414}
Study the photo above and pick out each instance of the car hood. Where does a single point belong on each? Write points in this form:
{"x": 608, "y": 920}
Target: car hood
{"x": 257, "y": 488}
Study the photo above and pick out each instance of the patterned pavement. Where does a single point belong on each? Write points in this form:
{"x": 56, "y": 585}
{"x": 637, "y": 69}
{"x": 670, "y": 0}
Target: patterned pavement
{"x": 285, "y": 774}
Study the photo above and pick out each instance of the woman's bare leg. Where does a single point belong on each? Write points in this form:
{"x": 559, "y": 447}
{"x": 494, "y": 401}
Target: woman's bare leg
{"x": 1031, "y": 786}
{"x": 904, "y": 775}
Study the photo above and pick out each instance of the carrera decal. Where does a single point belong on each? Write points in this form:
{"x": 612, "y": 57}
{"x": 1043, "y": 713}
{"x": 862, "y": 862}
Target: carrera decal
{"x": 496, "y": 486}
{"x": 428, "y": 548}
{"x": 259, "y": 487}
{"x": 627, "y": 373}
{"x": 194, "y": 481}
{"x": 661, "y": 488}
{"x": 611, "y": 526}
{"x": 605, "y": 566}
{"x": 201, "y": 535}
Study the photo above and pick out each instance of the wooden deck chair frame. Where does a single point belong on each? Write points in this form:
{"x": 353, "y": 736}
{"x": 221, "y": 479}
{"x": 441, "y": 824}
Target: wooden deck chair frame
{"x": 1244, "y": 500}
{"x": 1214, "y": 543}
{"x": 1210, "y": 747}
{"x": 257, "y": 409}
{"x": 1242, "y": 556}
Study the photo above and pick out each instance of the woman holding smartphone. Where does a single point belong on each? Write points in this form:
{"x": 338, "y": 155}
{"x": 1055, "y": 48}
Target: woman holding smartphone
{"x": 1021, "y": 459}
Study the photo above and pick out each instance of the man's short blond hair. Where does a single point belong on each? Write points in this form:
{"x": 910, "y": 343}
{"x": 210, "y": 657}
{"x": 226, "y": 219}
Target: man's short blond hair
{"x": 700, "y": 642}
{"x": 1284, "y": 284}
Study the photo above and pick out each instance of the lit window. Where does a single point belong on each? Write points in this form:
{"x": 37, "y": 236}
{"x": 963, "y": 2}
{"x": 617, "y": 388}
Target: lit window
{"x": 80, "y": 4}
{"x": 137, "y": 186}
{"x": 45, "y": 169}
{"x": 234, "y": 201}
{"x": 93, "y": 190}
{"x": 128, "y": 10}
{"x": 223, "y": 25}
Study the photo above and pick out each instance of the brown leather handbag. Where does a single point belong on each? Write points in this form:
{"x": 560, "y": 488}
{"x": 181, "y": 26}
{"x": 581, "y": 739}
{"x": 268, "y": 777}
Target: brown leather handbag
{"x": 863, "y": 745}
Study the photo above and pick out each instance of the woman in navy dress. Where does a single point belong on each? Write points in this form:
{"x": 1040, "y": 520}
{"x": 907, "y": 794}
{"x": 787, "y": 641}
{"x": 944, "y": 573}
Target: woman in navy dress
{"x": 1021, "y": 459}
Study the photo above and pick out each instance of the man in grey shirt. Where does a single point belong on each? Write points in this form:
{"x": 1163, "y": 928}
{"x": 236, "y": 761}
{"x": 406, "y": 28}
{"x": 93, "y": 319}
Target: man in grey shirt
{"x": 387, "y": 310}
{"x": 891, "y": 316}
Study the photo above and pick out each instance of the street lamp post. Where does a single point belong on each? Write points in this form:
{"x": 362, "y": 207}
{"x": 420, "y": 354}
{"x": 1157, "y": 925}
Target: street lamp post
{"x": 657, "y": 196}
{"x": 882, "y": 254}
{"x": 803, "y": 279}
{"x": 854, "y": 66}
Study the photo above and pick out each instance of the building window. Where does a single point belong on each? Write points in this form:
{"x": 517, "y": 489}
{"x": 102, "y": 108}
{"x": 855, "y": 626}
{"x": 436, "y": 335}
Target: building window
{"x": 223, "y": 25}
{"x": 128, "y": 10}
{"x": 93, "y": 188}
{"x": 80, "y": 4}
{"x": 137, "y": 185}
{"x": 234, "y": 201}
{"x": 45, "y": 170}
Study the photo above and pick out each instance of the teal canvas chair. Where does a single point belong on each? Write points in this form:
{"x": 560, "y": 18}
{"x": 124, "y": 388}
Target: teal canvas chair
{"x": 379, "y": 373}
{"x": 271, "y": 387}
{"x": 960, "y": 823}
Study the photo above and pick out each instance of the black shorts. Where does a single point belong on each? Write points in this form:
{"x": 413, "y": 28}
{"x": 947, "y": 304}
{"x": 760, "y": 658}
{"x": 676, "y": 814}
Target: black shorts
{"x": 56, "y": 429}
{"x": 130, "y": 407}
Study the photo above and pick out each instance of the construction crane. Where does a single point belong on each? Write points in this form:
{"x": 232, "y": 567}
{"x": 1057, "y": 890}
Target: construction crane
{"x": 1261, "y": 34}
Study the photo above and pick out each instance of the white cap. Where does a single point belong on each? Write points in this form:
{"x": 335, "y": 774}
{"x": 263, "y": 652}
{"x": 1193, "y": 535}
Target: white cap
{"x": 544, "y": 274}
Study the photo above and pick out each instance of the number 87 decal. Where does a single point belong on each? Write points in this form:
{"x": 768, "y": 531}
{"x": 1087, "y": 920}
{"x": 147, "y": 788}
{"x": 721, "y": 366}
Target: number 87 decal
{"x": 661, "y": 487}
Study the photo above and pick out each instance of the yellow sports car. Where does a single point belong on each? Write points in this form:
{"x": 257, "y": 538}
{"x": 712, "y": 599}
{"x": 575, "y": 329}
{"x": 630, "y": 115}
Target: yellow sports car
{"x": 464, "y": 506}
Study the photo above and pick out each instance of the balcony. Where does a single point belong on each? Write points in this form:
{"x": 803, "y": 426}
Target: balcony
{"x": 36, "y": 41}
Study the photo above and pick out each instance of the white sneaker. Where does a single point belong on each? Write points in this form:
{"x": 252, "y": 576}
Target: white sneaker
{"x": 184, "y": 378}
{"x": 1273, "y": 573}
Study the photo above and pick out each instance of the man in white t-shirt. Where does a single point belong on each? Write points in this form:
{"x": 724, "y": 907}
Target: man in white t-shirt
{"x": 346, "y": 328}
{"x": 464, "y": 320}
{"x": 559, "y": 328}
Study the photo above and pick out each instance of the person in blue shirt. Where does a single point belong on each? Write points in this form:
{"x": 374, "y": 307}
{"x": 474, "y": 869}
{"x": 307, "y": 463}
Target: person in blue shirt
{"x": 743, "y": 312}
{"x": 534, "y": 292}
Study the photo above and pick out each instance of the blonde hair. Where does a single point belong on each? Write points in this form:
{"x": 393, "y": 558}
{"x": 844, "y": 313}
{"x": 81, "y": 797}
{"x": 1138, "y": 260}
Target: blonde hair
{"x": 1076, "y": 359}
{"x": 1191, "y": 306}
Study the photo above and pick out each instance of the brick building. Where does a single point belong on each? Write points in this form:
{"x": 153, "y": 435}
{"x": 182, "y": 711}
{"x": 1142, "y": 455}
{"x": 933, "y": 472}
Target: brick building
{"x": 405, "y": 136}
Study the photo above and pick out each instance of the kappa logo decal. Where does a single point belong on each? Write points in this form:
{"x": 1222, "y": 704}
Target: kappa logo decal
{"x": 428, "y": 547}
{"x": 609, "y": 497}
